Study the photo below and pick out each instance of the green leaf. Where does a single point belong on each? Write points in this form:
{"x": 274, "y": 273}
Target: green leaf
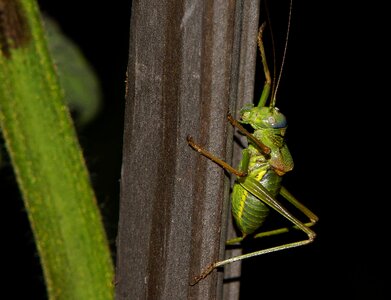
{"x": 48, "y": 162}
{"x": 82, "y": 89}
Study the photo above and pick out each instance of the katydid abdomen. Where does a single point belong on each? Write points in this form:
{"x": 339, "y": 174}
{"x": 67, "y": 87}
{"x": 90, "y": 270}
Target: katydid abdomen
{"x": 248, "y": 211}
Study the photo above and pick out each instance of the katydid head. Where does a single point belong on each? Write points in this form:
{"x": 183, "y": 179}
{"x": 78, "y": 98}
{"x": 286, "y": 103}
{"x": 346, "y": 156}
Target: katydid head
{"x": 263, "y": 117}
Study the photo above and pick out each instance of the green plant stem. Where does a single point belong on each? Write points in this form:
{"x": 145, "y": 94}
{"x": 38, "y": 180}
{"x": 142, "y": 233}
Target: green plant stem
{"x": 48, "y": 161}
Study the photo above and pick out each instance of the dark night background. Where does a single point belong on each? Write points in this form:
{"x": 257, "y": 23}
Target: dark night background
{"x": 331, "y": 92}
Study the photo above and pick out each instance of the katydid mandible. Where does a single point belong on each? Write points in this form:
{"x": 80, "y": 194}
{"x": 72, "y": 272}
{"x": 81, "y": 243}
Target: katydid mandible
{"x": 258, "y": 182}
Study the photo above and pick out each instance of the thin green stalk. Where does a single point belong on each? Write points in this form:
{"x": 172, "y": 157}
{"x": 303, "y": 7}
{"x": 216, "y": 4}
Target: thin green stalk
{"x": 48, "y": 162}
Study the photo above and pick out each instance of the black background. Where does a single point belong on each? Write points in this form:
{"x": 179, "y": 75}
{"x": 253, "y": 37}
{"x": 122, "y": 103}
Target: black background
{"x": 334, "y": 95}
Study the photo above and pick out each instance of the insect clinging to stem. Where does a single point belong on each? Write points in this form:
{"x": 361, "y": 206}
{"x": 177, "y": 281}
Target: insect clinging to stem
{"x": 260, "y": 171}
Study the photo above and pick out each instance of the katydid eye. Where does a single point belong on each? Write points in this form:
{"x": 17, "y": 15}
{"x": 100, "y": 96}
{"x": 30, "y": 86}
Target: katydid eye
{"x": 271, "y": 120}
{"x": 277, "y": 120}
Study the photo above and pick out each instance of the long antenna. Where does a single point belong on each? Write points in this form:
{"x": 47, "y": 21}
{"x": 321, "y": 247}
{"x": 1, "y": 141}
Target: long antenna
{"x": 274, "y": 91}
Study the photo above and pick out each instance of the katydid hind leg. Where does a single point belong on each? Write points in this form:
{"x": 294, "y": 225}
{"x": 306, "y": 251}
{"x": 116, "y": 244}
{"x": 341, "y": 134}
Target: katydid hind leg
{"x": 261, "y": 193}
{"x": 288, "y": 196}
{"x": 301, "y": 207}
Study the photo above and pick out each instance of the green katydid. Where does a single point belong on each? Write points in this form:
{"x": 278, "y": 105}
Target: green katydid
{"x": 263, "y": 163}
